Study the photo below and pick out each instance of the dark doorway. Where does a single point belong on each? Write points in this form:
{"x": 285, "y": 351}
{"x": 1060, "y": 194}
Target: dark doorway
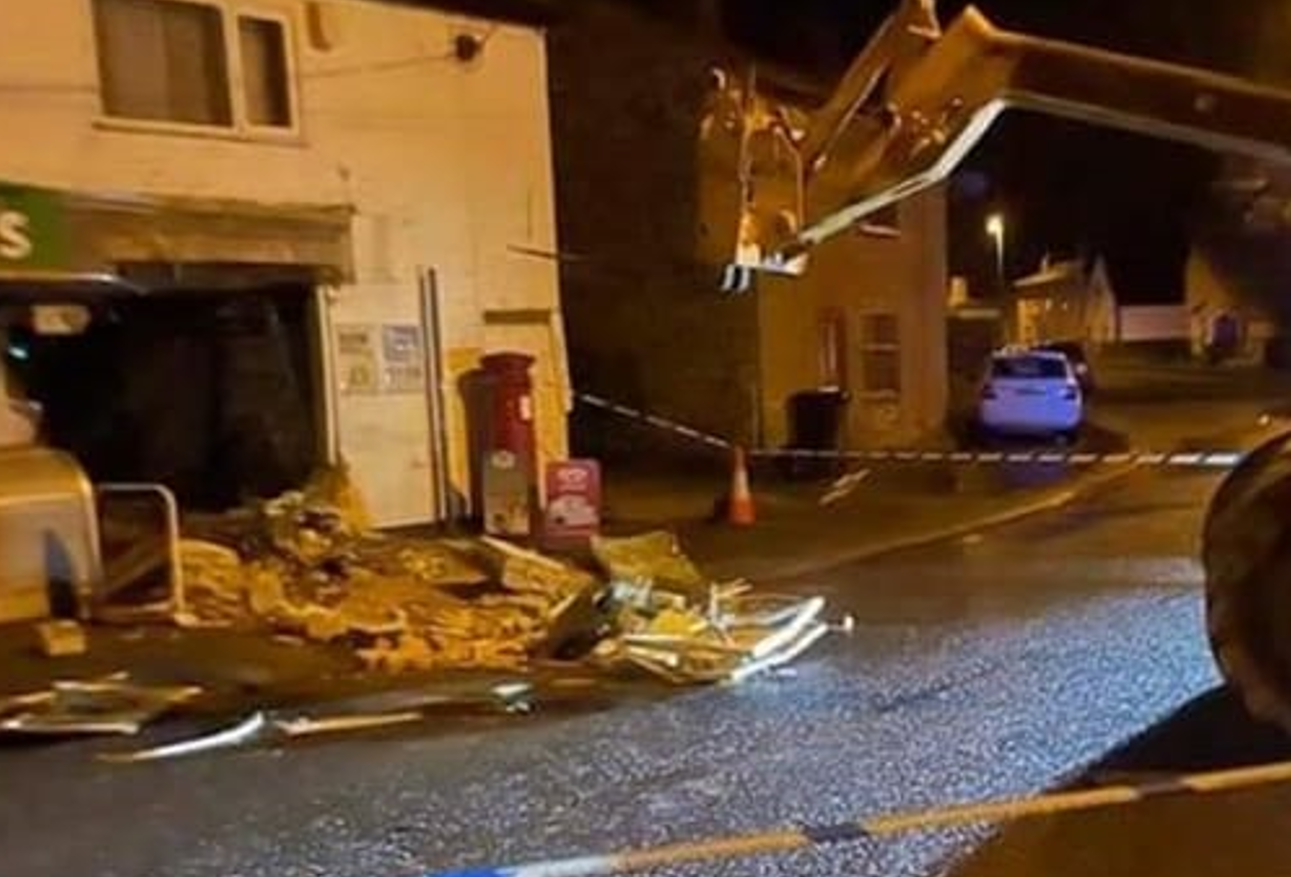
{"x": 211, "y": 393}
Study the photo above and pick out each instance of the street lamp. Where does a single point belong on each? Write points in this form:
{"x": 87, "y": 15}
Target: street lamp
{"x": 995, "y": 229}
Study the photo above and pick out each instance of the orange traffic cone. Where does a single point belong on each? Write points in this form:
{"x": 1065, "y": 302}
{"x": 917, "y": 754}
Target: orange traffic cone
{"x": 740, "y": 511}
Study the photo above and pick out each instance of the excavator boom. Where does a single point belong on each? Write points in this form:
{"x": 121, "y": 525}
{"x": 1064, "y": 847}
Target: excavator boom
{"x": 918, "y": 99}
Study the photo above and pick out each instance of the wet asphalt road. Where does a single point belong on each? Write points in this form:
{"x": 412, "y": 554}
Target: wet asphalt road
{"x": 1058, "y": 649}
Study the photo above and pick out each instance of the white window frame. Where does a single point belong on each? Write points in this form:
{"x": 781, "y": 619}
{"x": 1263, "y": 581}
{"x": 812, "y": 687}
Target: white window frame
{"x": 865, "y": 346}
{"x": 237, "y": 72}
{"x": 240, "y": 129}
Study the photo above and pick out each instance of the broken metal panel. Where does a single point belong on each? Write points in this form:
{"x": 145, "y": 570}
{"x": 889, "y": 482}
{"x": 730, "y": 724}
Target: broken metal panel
{"x": 248, "y": 730}
{"x": 684, "y": 629}
{"x": 370, "y": 712}
{"x": 113, "y": 705}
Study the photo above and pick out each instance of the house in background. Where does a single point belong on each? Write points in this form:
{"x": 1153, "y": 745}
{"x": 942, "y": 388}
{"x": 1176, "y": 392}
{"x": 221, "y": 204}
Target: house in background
{"x": 1065, "y": 300}
{"x": 1239, "y": 267}
{"x": 324, "y": 204}
{"x": 1226, "y": 322}
{"x": 647, "y": 325}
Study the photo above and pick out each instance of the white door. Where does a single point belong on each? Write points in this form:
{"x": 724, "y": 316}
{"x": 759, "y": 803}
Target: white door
{"x": 382, "y": 415}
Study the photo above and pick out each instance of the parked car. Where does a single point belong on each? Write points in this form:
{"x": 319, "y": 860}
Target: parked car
{"x": 1075, "y": 353}
{"x": 1031, "y": 392}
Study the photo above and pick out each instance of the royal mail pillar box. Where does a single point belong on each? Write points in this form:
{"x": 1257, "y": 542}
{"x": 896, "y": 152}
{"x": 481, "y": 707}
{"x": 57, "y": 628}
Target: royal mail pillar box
{"x": 510, "y": 464}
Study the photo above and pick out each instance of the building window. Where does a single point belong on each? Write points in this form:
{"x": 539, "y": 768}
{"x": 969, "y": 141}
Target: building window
{"x": 833, "y": 348}
{"x": 265, "y": 76}
{"x": 170, "y": 61}
{"x": 880, "y": 354}
{"x": 163, "y": 61}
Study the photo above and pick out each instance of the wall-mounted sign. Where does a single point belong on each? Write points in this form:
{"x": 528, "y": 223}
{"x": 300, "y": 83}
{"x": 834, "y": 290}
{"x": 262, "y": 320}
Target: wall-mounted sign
{"x": 403, "y": 359}
{"x": 573, "y": 513}
{"x": 358, "y": 366}
{"x": 33, "y": 228}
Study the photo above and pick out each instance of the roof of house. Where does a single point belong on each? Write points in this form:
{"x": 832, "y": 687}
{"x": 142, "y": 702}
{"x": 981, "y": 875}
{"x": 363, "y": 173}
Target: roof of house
{"x": 1054, "y": 272}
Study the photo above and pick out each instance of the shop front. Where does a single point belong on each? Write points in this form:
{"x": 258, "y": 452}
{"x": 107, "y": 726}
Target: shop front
{"x": 173, "y": 340}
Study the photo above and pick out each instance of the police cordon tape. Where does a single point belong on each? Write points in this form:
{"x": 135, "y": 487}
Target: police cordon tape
{"x": 657, "y": 422}
{"x": 1180, "y": 459}
{"x": 984, "y": 813}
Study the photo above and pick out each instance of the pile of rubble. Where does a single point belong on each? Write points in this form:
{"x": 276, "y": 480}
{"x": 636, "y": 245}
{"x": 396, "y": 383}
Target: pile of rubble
{"x": 307, "y": 565}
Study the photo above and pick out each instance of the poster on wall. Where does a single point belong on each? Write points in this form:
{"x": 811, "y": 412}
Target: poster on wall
{"x": 508, "y": 506}
{"x": 357, "y": 367}
{"x": 403, "y": 359}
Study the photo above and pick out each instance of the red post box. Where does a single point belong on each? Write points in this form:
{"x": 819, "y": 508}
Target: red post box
{"x": 510, "y": 454}
{"x": 512, "y": 420}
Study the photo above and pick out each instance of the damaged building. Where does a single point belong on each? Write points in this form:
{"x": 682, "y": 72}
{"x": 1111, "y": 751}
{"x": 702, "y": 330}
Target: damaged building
{"x": 241, "y": 240}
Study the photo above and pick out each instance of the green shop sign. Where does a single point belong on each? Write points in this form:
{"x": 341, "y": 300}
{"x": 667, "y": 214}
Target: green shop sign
{"x": 33, "y": 228}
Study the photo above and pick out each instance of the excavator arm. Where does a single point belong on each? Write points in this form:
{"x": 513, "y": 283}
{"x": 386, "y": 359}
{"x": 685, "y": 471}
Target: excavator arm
{"x": 916, "y": 101}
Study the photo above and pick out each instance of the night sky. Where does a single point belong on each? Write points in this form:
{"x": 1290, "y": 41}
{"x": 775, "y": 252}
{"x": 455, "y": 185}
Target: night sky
{"x": 1066, "y": 188}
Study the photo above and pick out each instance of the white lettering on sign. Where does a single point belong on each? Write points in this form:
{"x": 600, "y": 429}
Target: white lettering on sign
{"x": 573, "y": 479}
{"x": 15, "y": 238}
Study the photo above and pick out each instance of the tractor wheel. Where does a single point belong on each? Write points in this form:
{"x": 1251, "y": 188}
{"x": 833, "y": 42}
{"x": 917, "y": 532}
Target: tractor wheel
{"x": 1246, "y": 551}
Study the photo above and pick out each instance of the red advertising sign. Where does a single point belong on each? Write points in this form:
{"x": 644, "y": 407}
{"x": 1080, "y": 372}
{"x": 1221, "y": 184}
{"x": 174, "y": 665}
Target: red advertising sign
{"x": 573, "y": 501}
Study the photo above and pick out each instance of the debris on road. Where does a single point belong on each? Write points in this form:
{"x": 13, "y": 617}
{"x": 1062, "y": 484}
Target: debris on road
{"x": 734, "y": 637}
{"x": 305, "y": 566}
{"x": 384, "y": 710}
{"x": 61, "y": 638}
{"x": 244, "y": 732}
{"x": 676, "y": 625}
{"x": 650, "y": 560}
{"x": 112, "y": 705}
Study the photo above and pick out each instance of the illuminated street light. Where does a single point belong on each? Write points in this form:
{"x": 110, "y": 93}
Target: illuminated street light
{"x": 995, "y": 228}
